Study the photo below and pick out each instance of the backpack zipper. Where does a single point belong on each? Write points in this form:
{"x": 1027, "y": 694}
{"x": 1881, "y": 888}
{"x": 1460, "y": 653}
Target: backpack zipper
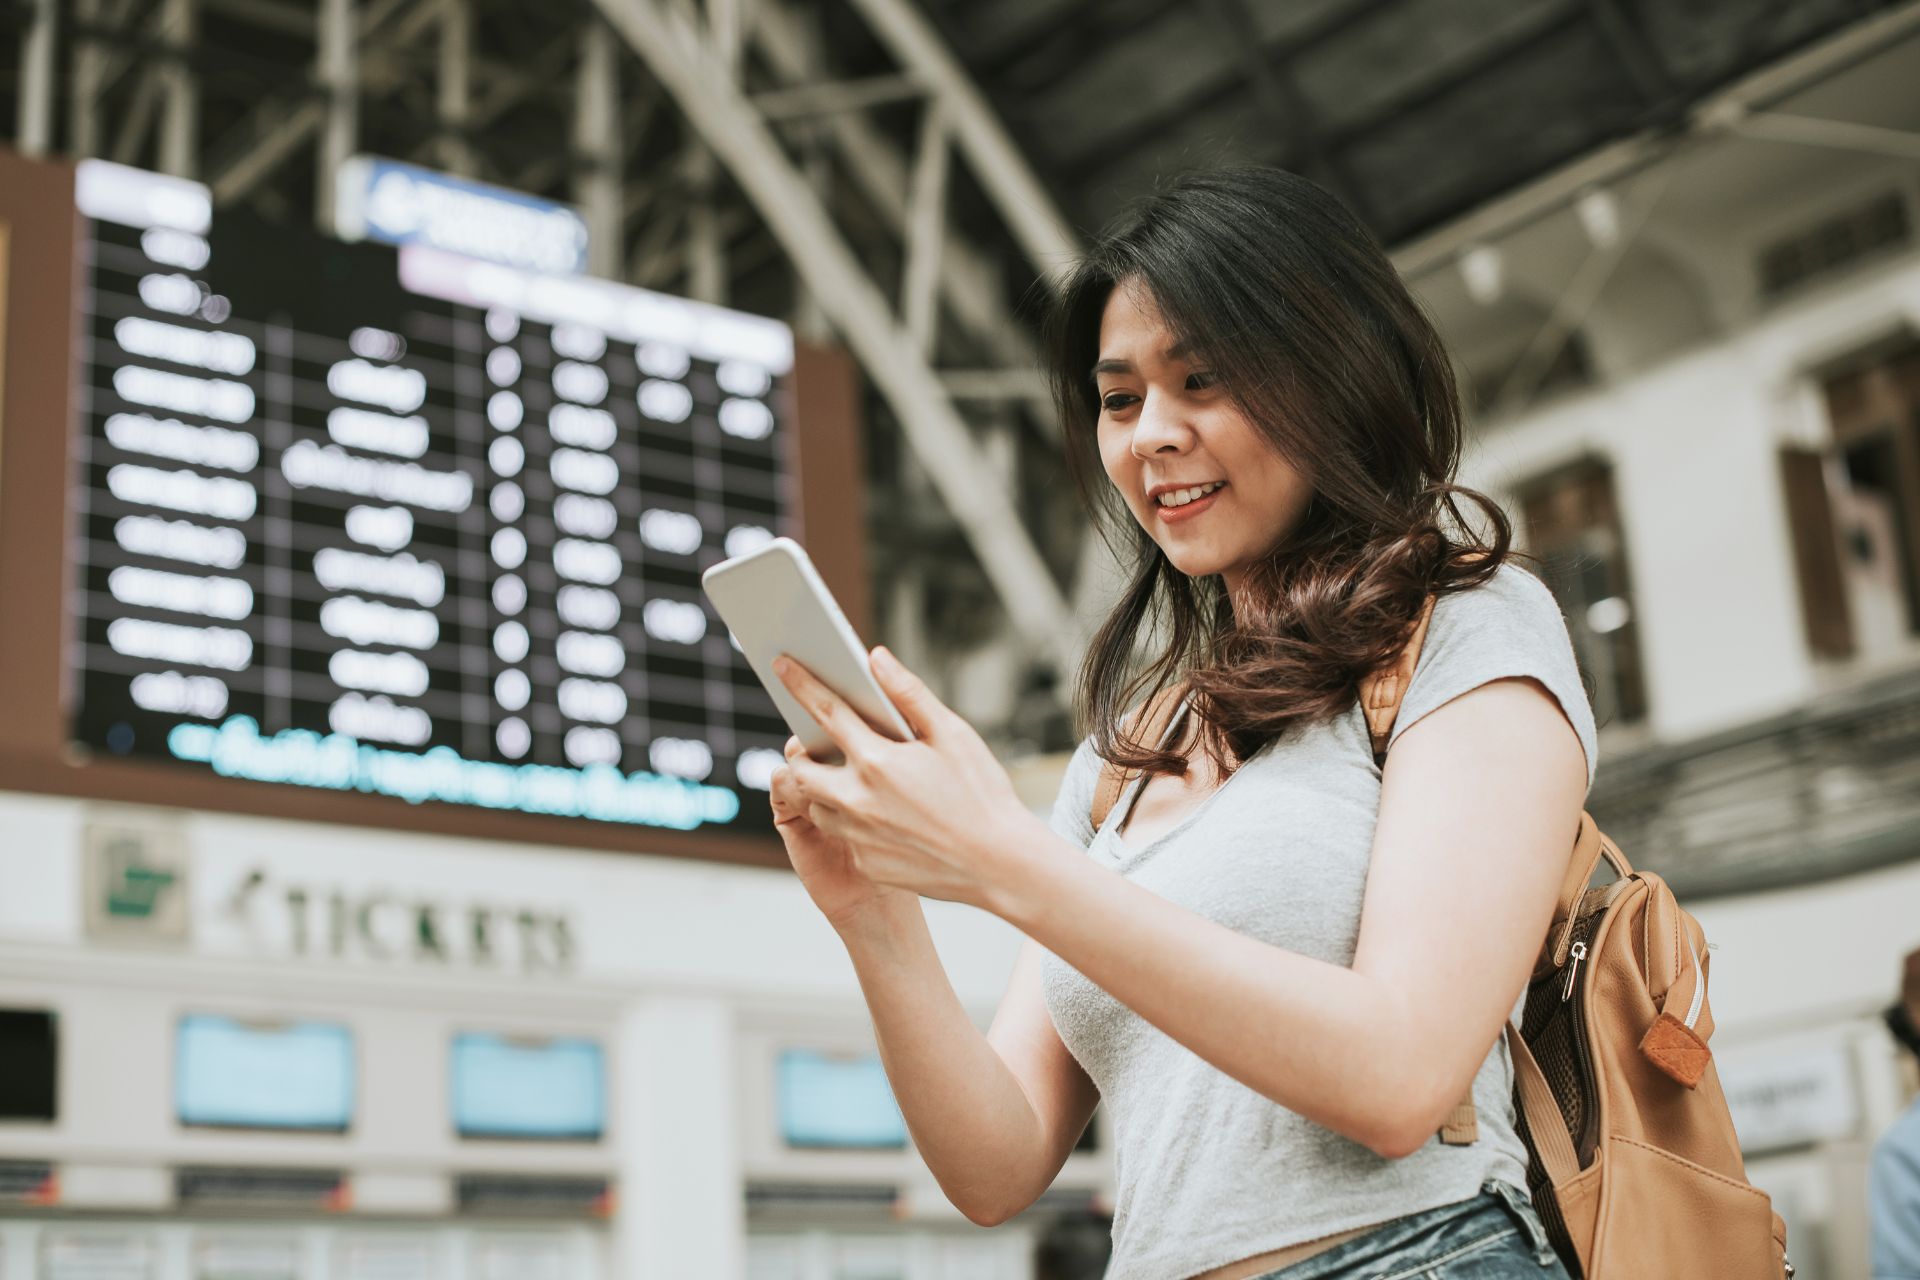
{"x": 1588, "y": 1139}
{"x": 1573, "y": 969}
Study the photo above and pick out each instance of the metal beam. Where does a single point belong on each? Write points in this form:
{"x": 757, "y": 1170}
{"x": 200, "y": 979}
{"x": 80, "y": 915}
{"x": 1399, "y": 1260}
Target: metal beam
{"x": 138, "y": 120}
{"x": 926, "y": 228}
{"x": 454, "y": 91}
{"x": 35, "y": 112}
{"x": 84, "y": 87}
{"x": 1637, "y": 55}
{"x": 1840, "y": 135}
{"x": 706, "y": 249}
{"x": 837, "y": 95}
{"x": 698, "y": 80}
{"x": 999, "y": 384}
{"x": 1575, "y": 298}
{"x": 339, "y": 73}
{"x": 277, "y": 128}
{"x": 1016, "y": 191}
{"x": 274, "y": 15}
{"x": 96, "y": 66}
{"x": 268, "y": 152}
{"x": 1286, "y": 109}
{"x": 1212, "y": 90}
{"x": 180, "y": 114}
{"x": 1437, "y": 250}
{"x": 596, "y": 143}
{"x": 969, "y": 279}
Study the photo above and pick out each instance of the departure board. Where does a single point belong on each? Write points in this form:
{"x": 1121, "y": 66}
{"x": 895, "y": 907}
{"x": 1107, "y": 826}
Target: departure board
{"x": 400, "y": 522}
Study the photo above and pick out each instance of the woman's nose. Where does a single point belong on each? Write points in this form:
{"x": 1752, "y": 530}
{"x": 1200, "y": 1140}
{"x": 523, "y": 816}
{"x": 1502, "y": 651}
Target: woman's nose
{"x": 1160, "y": 428}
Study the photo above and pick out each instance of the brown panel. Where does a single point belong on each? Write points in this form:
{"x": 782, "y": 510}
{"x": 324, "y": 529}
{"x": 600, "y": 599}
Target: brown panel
{"x": 829, "y": 494}
{"x": 1816, "y": 553}
{"x": 36, "y": 418}
{"x": 5, "y": 230}
{"x": 36, "y": 200}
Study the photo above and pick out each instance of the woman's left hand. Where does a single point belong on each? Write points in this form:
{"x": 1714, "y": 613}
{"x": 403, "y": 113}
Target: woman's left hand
{"x": 937, "y": 815}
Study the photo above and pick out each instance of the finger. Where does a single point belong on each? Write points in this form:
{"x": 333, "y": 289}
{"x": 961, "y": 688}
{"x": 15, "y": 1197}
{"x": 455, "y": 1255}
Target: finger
{"x": 818, "y": 783}
{"x": 922, "y": 711}
{"x": 783, "y": 793}
{"x": 829, "y": 710}
{"x": 787, "y": 793}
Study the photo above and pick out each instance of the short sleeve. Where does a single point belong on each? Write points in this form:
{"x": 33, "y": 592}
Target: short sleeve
{"x": 1508, "y": 627}
{"x": 1073, "y": 807}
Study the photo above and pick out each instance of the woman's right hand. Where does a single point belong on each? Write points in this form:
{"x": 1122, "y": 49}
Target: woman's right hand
{"x": 823, "y": 862}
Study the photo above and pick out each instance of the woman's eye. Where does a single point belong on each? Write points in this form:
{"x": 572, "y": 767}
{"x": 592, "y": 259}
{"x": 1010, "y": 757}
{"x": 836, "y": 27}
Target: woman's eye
{"x": 1200, "y": 380}
{"x": 1115, "y": 401}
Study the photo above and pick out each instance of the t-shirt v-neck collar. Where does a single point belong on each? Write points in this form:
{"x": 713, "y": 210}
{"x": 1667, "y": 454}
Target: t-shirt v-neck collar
{"x": 1123, "y": 811}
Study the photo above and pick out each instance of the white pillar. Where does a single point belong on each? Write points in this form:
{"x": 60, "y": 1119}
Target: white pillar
{"x": 682, "y": 1198}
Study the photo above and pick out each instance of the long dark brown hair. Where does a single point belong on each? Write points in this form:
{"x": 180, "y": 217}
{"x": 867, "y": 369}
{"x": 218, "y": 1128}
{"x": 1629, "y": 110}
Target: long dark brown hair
{"x": 1294, "y": 305}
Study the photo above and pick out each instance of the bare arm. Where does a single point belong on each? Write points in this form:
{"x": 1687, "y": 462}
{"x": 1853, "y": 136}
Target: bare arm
{"x": 1478, "y": 812}
{"x": 994, "y": 1116}
{"x": 1477, "y": 815}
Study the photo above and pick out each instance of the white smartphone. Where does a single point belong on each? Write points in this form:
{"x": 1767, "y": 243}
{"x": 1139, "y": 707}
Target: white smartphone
{"x": 774, "y": 602}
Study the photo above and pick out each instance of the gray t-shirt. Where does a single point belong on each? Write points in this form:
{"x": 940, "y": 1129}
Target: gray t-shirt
{"x": 1208, "y": 1170}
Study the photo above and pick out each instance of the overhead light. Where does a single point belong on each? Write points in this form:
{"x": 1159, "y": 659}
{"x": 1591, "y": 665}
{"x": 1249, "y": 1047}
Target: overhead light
{"x": 1483, "y": 267}
{"x": 1599, "y": 213}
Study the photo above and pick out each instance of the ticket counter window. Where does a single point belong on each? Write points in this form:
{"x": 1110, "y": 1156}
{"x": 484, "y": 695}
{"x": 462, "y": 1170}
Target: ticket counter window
{"x": 246, "y": 1255}
{"x": 835, "y": 1101}
{"x": 97, "y": 1253}
{"x": 243, "y": 1074}
{"x": 528, "y": 1087}
{"x": 28, "y": 1065}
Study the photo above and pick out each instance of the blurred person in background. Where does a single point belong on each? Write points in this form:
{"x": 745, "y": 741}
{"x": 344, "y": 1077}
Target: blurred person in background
{"x": 1894, "y": 1183}
{"x": 1278, "y": 962}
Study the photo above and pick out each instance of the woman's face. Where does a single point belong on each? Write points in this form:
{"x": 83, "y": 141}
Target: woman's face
{"x": 1167, "y": 428}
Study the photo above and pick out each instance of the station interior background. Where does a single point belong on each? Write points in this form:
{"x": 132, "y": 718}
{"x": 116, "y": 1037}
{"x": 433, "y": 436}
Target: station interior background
{"x": 386, "y": 889}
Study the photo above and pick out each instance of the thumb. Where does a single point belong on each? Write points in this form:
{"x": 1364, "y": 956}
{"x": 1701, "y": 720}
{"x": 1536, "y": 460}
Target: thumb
{"x": 908, "y": 692}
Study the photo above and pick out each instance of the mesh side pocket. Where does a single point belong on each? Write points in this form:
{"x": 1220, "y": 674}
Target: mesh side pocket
{"x": 1550, "y": 1026}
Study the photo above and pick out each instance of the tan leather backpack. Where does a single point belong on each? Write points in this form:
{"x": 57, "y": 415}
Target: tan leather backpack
{"x": 1635, "y": 1167}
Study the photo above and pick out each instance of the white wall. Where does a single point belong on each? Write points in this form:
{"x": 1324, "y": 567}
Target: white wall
{"x": 639, "y": 922}
{"x": 1693, "y": 442}
{"x": 680, "y": 969}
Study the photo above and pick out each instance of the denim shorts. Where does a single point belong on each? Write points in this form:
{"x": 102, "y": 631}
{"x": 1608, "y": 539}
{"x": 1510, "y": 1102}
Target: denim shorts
{"x": 1494, "y": 1236}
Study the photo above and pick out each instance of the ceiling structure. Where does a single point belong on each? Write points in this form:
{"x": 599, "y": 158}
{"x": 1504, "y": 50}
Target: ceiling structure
{"x": 845, "y": 164}
{"x": 1413, "y": 111}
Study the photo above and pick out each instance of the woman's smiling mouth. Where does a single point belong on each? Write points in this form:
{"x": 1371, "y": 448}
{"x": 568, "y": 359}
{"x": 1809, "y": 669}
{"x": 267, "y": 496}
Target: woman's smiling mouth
{"x": 1176, "y": 505}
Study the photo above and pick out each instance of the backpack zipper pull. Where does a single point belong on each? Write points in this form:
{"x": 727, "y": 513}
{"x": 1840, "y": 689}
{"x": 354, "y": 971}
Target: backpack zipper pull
{"x": 1573, "y": 968}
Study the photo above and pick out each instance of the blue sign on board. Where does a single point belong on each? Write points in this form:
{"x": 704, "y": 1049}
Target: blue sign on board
{"x": 385, "y": 200}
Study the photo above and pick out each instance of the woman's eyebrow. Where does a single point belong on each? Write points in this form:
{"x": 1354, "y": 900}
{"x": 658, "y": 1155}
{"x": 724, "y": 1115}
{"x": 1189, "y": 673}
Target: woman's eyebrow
{"x": 1116, "y": 365}
{"x": 1113, "y": 364}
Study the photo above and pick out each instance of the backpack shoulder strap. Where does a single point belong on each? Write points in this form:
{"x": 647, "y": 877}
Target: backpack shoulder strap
{"x": 1382, "y": 691}
{"x": 1380, "y": 697}
{"x": 1153, "y": 719}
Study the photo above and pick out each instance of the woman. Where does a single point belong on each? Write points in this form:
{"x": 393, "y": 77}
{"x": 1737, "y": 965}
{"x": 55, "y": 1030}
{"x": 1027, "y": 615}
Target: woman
{"x": 1278, "y": 963}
